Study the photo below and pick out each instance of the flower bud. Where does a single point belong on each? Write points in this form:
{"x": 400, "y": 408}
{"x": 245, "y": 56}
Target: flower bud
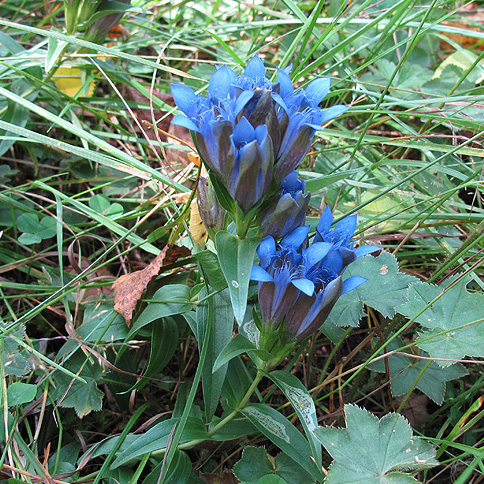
{"x": 209, "y": 208}
{"x": 288, "y": 210}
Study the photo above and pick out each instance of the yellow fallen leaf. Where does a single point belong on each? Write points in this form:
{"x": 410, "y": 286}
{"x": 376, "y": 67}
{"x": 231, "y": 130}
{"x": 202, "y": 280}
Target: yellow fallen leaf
{"x": 196, "y": 228}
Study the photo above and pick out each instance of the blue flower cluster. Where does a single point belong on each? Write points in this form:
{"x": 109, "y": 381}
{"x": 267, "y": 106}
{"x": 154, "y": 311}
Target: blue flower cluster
{"x": 252, "y": 134}
{"x": 300, "y": 283}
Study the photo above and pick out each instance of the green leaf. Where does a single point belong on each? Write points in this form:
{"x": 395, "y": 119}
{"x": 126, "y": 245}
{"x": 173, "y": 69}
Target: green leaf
{"x": 84, "y": 398}
{"x": 164, "y": 342}
{"x": 218, "y": 308}
{"x": 237, "y": 345}
{"x": 256, "y": 465}
{"x": 234, "y": 429}
{"x": 405, "y": 370}
{"x": 304, "y": 406}
{"x": 19, "y": 393}
{"x": 156, "y": 438}
{"x": 102, "y": 323}
{"x": 54, "y": 50}
{"x": 385, "y": 289}
{"x": 271, "y": 479}
{"x": 211, "y": 269}
{"x": 236, "y": 257}
{"x": 237, "y": 382}
{"x": 70, "y": 393}
{"x": 454, "y": 322}
{"x": 167, "y": 301}
{"x": 373, "y": 451}
{"x": 178, "y": 473}
{"x": 35, "y": 231}
{"x": 317, "y": 181}
{"x": 282, "y": 433}
{"x": 102, "y": 204}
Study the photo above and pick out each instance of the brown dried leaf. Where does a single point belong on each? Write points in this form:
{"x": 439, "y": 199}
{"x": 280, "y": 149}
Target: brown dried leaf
{"x": 129, "y": 287}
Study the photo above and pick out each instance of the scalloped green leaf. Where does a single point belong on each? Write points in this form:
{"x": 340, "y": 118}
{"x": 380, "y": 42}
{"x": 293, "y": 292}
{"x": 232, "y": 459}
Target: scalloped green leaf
{"x": 374, "y": 451}
{"x": 385, "y": 289}
{"x": 454, "y": 323}
{"x": 405, "y": 370}
{"x": 256, "y": 467}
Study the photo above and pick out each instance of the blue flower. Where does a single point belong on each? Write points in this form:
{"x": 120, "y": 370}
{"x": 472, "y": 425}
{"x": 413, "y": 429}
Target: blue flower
{"x": 299, "y": 283}
{"x": 288, "y": 210}
{"x": 290, "y": 117}
{"x": 293, "y": 116}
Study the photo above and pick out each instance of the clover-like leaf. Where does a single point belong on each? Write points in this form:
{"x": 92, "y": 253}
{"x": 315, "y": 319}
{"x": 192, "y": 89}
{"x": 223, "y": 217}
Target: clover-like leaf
{"x": 374, "y": 451}
{"x": 35, "y": 230}
{"x": 385, "y": 289}
{"x": 405, "y": 370}
{"x": 454, "y": 322}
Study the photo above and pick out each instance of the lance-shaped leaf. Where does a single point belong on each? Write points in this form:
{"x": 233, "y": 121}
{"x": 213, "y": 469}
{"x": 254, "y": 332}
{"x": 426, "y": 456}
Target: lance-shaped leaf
{"x": 236, "y": 257}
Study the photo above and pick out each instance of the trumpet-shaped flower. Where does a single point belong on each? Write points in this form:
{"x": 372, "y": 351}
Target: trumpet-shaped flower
{"x": 300, "y": 284}
{"x": 290, "y": 117}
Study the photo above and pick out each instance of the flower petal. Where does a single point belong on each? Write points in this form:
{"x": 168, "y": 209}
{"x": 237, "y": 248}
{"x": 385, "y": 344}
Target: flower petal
{"x": 266, "y": 250}
{"x": 366, "y": 249}
{"x": 285, "y": 83}
{"x": 259, "y": 274}
{"x": 242, "y": 100}
{"x": 220, "y": 84}
{"x": 333, "y": 112}
{"x": 317, "y": 90}
{"x": 347, "y": 226}
{"x": 304, "y": 285}
{"x": 243, "y": 133}
{"x": 255, "y": 68}
{"x": 316, "y": 252}
{"x": 326, "y": 220}
{"x": 184, "y": 98}
{"x": 296, "y": 238}
{"x": 180, "y": 120}
{"x": 352, "y": 283}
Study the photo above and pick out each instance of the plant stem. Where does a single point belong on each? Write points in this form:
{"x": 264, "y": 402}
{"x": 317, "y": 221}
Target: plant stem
{"x": 241, "y": 404}
{"x": 228, "y": 418}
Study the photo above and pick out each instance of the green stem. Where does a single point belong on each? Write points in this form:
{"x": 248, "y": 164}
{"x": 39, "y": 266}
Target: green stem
{"x": 414, "y": 385}
{"x": 241, "y": 404}
{"x": 225, "y": 420}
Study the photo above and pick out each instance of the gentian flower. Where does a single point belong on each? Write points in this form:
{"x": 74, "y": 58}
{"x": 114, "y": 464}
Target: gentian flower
{"x": 293, "y": 116}
{"x": 288, "y": 211}
{"x": 300, "y": 284}
{"x": 289, "y": 118}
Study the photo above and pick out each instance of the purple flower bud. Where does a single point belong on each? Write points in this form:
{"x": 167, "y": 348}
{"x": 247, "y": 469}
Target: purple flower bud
{"x": 209, "y": 208}
{"x": 288, "y": 210}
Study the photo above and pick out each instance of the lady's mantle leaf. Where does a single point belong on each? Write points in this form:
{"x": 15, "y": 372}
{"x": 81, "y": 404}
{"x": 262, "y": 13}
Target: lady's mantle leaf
{"x": 405, "y": 370}
{"x": 373, "y": 451}
{"x": 385, "y": 289}
{"x": 455, "y": 321}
